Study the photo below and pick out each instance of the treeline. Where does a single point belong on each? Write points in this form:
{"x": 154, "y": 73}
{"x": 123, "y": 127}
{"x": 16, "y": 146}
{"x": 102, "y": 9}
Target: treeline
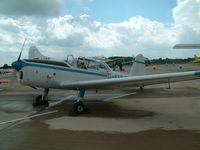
{"x": 6, "y": 66}
{"x": 155, "y": 61}
{"x": 121, "y": 59}
{"x": 170, "y": 61}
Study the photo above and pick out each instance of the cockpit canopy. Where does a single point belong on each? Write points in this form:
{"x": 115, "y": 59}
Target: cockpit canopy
{"x": 88, "y": 63}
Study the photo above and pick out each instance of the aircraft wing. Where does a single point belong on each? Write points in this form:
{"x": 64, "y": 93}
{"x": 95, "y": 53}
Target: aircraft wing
{"x": 186, "y": 46}
{"x": 134, "y": 81}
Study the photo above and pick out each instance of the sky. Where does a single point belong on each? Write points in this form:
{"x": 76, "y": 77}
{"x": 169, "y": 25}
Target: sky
{"x": 108, "y": 11}
{"x": 98, "y": 27}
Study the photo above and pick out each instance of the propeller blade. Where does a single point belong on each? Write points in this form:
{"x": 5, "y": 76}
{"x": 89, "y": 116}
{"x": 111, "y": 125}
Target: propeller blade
{"x": 21, "y": 50}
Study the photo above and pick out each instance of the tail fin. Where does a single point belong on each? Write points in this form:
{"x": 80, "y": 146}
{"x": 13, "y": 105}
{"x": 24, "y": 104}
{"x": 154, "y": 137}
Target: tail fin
{"x": 138, "y": 68}
{"x": 35, "y": 54}
{"x": 196, "y": 57}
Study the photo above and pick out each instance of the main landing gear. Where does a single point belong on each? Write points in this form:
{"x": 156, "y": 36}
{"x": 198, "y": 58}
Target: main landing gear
{"x": 41, "y": 99}
{"x": 79, "y": 107}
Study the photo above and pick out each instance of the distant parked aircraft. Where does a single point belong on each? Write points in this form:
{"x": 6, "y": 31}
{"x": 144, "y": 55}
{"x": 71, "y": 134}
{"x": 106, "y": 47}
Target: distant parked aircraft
{"x": 196, "y": 59}
{"x": 4, "y": 81}
{"x": 189, "y": 46}
{"x": 186, "y": 46}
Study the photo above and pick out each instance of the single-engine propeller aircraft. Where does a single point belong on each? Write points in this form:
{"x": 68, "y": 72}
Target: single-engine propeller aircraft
{"x": 84, "y": 74}
{"x": 196, "y": 59}
{"x": 189, "y": 46}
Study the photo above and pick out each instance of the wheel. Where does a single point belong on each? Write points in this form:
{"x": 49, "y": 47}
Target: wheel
{"x": 45, "y": 102}
{"x": 79, "y": 107}
{"x": 141, "y": 88}
{"x": 39, "y": 101}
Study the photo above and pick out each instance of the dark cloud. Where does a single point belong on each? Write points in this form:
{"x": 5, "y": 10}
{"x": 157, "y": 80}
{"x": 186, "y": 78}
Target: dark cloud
{"x": 41, "y": 8}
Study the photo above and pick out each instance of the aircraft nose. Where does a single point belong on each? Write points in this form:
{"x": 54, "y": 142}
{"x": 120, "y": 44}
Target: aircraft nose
{"x": 17, "y": 65}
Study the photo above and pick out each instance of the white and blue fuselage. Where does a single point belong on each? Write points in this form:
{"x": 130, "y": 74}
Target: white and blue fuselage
{"x": 51, "y": 73}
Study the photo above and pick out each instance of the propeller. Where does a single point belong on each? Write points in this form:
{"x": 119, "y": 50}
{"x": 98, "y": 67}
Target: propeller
{"x": 17, "y": 66}
{"x": 21, "y": 50}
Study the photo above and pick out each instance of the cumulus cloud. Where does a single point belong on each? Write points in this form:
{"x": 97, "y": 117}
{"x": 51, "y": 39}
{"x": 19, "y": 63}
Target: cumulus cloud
{"x": 42, "y": 8}
{"x": 70, "y": 31}
{"x": 10, "y": 32}
{"x": 187, "y": 21}
{"x": 84, "y": 36}
{"x": 136, "y": 31}
{"x": 88, "y": 35}
{"x": 187, "y": 13}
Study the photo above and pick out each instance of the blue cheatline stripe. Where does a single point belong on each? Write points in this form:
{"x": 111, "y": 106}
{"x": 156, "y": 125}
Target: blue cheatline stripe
{"x": 64, "y": 69}
{"x": 139, "y": 62}
{"x": 197, "y": 73}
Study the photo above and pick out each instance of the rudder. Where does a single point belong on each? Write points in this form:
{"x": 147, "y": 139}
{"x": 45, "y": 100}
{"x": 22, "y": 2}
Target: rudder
{"x": 138, "y": 68}
{"x": 35, "y": 54}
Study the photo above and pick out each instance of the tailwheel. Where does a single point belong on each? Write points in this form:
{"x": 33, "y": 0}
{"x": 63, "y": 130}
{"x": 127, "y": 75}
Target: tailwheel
{"x": 39, "y": 101}
{"x": 78, "y": 108}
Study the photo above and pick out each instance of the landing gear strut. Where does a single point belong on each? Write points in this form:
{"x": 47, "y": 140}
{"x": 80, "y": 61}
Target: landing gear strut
{"x": 41, "y": 99}
{"x": 79, "y": 107}
{"x": 141, "y": 88}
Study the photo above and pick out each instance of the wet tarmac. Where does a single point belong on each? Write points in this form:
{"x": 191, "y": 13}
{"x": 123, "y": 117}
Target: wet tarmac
{"x": 34, "y": 135}
{"x": 157, "y": 118}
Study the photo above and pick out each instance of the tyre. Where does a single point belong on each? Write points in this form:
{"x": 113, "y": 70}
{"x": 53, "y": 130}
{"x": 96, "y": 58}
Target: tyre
{"x": 38, "y": 101}
{"x": 79, "y": 107}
